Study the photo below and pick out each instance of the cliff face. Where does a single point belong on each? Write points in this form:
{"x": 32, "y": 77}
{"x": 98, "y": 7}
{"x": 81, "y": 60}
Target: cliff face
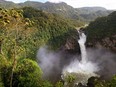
{"x": 72, "y": 46}
{"x": 102, "y": 32}
{"x": 108, "y": 43}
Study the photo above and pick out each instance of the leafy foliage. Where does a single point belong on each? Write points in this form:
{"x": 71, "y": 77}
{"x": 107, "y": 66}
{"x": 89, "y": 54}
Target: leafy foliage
{"x": 27, "y": 73}
{"x": 103, "y": 31}
{"x": 113, "y": 81}
{"x": 21, "y": 35}
{"x": 51, "y": 28}
{"x": 85, "y": 14}
{"x": 59, "y": 84}
{"x": 97, "y": 82}
{"x": 23, "y": 31}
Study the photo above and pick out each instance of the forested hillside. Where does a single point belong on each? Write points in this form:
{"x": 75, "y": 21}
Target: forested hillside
{"x": 85, "y": 14}
{"x": 7, "y": 4}
{"x": 22, "y": 32}
{"x": 102, "y": 32}
{"x": 91, "y": 13}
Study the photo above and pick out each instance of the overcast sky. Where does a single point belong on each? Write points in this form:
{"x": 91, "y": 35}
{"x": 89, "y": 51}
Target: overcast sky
{"x": 109, "y": 4}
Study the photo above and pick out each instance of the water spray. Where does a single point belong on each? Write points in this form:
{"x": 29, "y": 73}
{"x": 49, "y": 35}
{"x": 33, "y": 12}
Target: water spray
{"x": 83, "y": 69}
{"x": 81, "y": 41}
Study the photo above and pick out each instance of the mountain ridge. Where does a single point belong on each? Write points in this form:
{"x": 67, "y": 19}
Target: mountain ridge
{"x": 85, "y": 14}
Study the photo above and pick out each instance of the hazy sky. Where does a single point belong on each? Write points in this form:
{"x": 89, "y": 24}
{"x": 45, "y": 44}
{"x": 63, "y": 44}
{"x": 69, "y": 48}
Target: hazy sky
{"x": 109, "y": 4}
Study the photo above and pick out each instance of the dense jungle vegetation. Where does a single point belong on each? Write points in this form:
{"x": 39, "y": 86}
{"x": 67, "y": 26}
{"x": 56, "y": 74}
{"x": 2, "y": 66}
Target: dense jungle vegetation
{"x": 24, "y": 30}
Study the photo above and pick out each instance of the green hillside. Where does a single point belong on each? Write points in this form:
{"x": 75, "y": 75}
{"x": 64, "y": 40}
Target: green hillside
{"x": 85, "y": 14}
{"x": 7, "y": 4}
{"x": 24, "y": 29}
{"x": 45, "y": 29}
{"x": 103, "y": 31}
{"x": 22, "y": 32}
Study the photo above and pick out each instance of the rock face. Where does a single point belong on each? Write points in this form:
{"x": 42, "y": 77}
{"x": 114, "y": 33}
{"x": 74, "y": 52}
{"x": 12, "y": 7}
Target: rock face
{"x": 102, "y": 32}
{"x": 72, "y": 45}
{"x": 107, "y": 43}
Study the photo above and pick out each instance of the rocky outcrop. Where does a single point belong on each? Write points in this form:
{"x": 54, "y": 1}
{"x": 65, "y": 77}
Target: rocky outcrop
{"x": 72, "y": 45}
{"x": 108, "y": 43}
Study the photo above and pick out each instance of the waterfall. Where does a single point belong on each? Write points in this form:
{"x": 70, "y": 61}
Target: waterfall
{"x": 81, "y": 41}
{"x": 83, "y": 69}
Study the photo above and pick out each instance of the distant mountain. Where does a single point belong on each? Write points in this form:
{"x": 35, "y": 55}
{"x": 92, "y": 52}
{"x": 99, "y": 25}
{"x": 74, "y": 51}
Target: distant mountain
{"x": 7, "y": 4}
{"x": 91, "y": 13}
{"x": 59, "y": 8}
{"x": 85, "y": 14}
{"x": 92, "y": 9}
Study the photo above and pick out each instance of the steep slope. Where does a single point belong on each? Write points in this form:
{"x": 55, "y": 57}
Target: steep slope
{"x": 91, "y": 13}
{"x": 7, "y": 4}
{"x": 52, "y": 29}
{"x": 85, "y": 14}
{"x": 91, "y": 9}
{"x": 59, "y": 8}
{"x": 30, "y": 28}
{"x": 102, "y": 32}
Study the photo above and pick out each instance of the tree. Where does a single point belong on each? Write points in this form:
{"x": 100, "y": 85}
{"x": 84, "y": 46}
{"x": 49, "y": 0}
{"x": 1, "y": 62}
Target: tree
{"x": 113, "y": 82}
{"x": 26, "y": 74}
{"x": 12, "y": 29}
{"x": 59, "y": 84}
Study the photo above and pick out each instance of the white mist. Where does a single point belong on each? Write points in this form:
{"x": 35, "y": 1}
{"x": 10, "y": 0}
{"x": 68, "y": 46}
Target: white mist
{"x": 83, "y": 69}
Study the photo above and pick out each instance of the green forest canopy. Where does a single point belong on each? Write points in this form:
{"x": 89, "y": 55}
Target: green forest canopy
{"x": 23, "y": 31}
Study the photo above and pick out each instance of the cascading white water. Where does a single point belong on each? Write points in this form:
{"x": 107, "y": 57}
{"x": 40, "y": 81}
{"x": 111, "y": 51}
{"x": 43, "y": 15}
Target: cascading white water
{"x": 83, "y": 69}
{"x": 81, "y": 41}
